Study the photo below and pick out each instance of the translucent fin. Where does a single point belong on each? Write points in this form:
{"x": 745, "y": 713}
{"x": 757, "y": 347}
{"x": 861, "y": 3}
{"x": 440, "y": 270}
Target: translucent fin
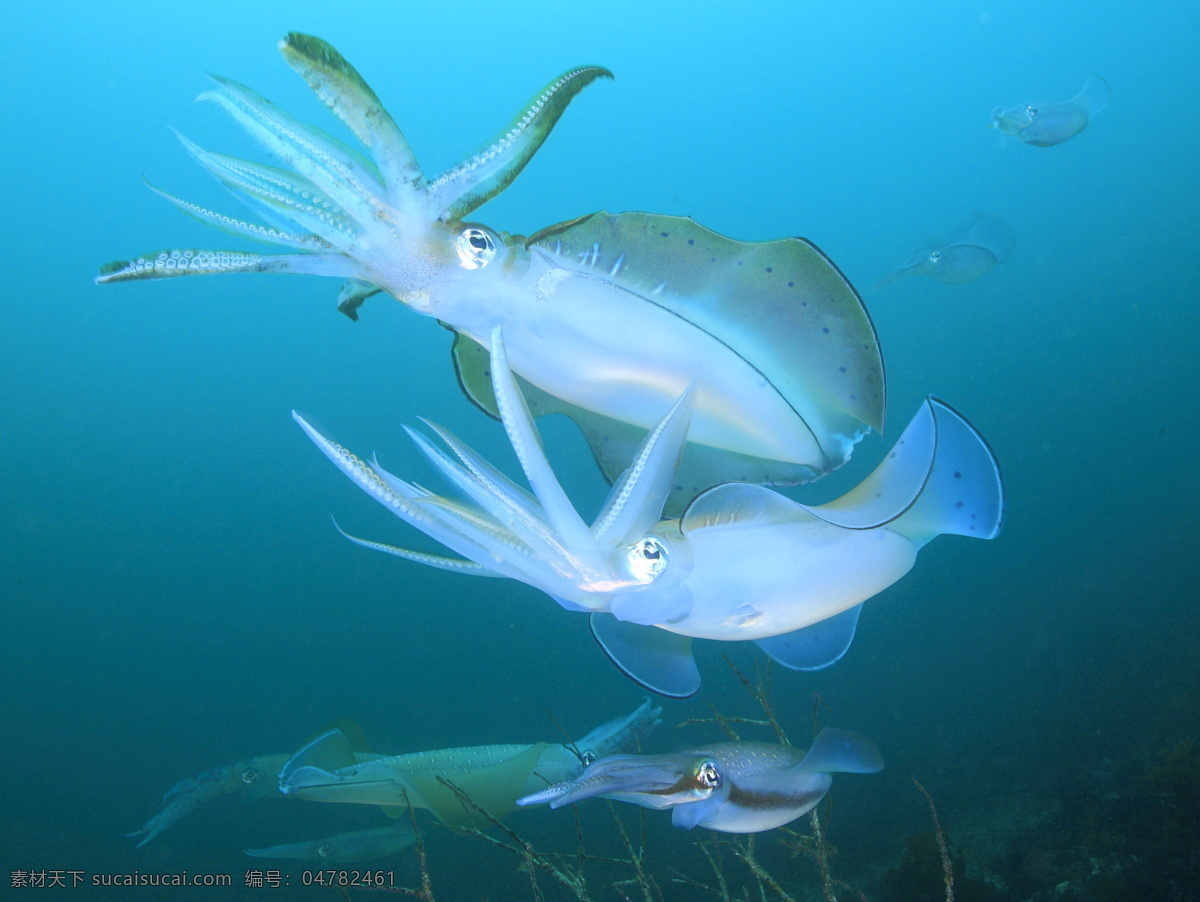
{"x": 814, "y": 647}
{"x": 327, "y": 752}
{"x": 894, "y": 485}
{"x": 354, "y": 734}
{"x": 1094, "y": 96}
{"x": 688, "y": 816}
{"x": 988, "y": 231}
{"x": 842, "y": 751}
{"x": 654, "y": 658}
{"x": 941, "y": 478}
{"x": 781, "y": 305}
{"x": 476, "y": 180}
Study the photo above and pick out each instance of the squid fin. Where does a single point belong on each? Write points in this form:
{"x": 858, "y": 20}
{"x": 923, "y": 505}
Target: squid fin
{"x": 814, "y": 647}
{"x": 654, "y": 658}
{"x": 842, "y": 751}
{"x": 940, "y": 478}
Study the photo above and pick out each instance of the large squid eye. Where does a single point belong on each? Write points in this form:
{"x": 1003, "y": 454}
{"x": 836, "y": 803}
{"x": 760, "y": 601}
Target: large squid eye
{"x": 475, "y": 247}
{"x": 325, "y": 849}
{"x": 249, "y": 775}
{"x": 708, "y": 776}
{"x": 935, "y": 255}
{"x": 648, "y": 558}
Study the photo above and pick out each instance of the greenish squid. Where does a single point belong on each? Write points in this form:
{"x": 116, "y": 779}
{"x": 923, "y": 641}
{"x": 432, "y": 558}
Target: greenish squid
{"x": 330, "y": 769}
{"x": 607, "y": 317}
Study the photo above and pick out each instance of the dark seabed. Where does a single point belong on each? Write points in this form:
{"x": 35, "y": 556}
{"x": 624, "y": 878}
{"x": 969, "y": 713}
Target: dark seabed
{"x": 175, "y": 598}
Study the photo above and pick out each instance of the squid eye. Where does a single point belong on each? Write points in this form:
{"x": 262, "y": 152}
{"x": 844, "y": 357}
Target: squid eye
{"x": 324, "y": 850}
{"x": 648, "y": 558}
{"x": 587, "y": 758}
{"x": 249, "y": 775}
{"x": 1031, "y": 112}
{"x": 708, "y": 776}
{"x": 935, "y": 256}
{"x": 475, "y": 247}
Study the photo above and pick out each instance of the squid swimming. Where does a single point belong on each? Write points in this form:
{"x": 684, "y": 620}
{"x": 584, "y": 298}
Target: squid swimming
{"x": 743, "y": 562}
{"x": 971, "y": 251}
{"x": 732, "y": 787}
{"x": 493, "y": 776}
{"x": 607, "y": 317}
{"x": 1044, "y": 123}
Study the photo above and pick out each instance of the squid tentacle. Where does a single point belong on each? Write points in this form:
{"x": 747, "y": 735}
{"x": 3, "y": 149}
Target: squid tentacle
{"x": 441, "y": 562}
{"x": 337, "y": 84}
{"x": 279, "y": 196}
{"x": 526, "y": 443}
{"x": 192, "y": 262}
{"x": 461, "y": 189}
{"x": 500, "y": 500}
{"x": 301, "y": 148}
{"x": 236, "y": 226}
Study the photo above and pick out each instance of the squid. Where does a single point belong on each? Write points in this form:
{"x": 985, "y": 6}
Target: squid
{"x": 1045, "y": 123}
{"x": 493, "y": 777}
{"x": 971, "y": 251}
{"x": 346, "y": 848}
{"x": 742, "y": 563}
{"x": 731, "y": 787}
{"x": 494, "y": 771}
{"x": 607, "y": 316}
{"x": 254, "y": 778}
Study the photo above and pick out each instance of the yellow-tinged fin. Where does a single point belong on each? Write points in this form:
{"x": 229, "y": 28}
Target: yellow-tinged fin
{"x": 493, "y": 787}
{"x": 781, "y": 305}
{"x": 614, "y": 443}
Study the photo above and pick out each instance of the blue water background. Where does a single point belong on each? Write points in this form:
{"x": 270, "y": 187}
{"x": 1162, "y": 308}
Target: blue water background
{"x": 174, "y": 597}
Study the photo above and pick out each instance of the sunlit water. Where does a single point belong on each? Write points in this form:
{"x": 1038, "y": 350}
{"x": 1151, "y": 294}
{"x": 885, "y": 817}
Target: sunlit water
{"x": 174, "y": 596}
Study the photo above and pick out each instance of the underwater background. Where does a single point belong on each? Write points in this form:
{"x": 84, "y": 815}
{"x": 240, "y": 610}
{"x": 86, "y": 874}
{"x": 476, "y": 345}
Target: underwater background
{"x": 174, "y": 596}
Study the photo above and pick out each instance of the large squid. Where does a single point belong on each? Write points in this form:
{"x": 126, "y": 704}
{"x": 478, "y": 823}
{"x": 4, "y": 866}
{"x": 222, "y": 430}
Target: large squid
{"x": 732, "y": 787}
{"x": 493, "y": 776}
{"x": 743, "y": 562}
{"x": 607, "y": 317}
